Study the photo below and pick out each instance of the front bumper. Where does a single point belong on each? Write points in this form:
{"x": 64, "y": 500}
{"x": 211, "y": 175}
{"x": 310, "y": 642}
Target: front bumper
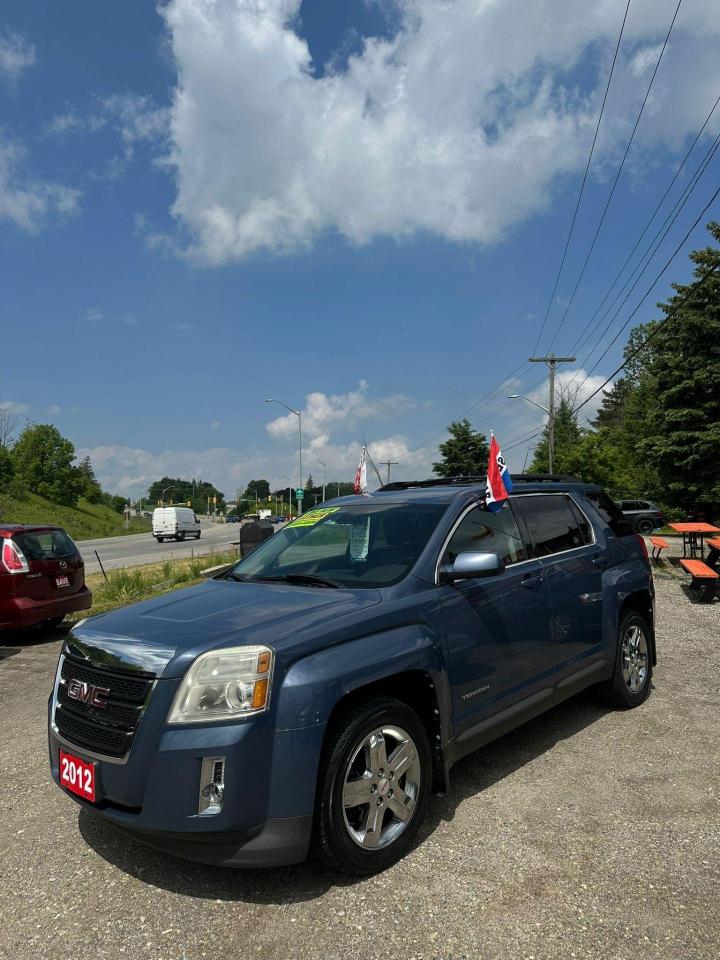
{"x": 27, "y": 612}
{"x": 275, "y": 843}
{"x": 269, "y": 787}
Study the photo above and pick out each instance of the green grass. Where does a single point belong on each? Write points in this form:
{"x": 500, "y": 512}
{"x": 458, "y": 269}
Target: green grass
{"x": 133, "y": 584}
{"x": 86, "y": 521}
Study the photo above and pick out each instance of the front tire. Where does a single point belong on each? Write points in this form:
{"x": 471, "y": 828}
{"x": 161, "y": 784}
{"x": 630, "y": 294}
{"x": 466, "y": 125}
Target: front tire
{"x": 630, "y": 683}
{"x": 374, "y": 787}
{"x": 54, "y": 622}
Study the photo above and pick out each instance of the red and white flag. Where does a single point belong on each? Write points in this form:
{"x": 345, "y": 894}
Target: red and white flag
{"x": 361, "y": 473}
{"x": 499, "y": 481}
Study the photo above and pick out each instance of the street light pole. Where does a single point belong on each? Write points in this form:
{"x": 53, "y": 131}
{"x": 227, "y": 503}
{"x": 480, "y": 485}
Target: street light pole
{"x": 165, "y": 490}
{"x": 324, "y": 466}
{"x": 298, "y": 414}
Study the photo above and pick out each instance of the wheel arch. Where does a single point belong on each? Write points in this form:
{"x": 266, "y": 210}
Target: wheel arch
{"x": 641, "y": 601}
{"x": 416, "y": 689}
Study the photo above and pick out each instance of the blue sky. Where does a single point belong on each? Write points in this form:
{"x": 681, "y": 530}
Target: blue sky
{"x": 357, "y": 208}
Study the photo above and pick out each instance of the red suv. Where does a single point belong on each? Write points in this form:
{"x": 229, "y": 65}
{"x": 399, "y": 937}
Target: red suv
{"x": 42, "y": 576}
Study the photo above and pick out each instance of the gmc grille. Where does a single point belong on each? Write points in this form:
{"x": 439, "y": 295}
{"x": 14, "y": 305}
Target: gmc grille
{"x": 108, "y": 731}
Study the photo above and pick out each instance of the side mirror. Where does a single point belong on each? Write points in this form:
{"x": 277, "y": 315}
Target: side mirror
{"x": 472, "y": 565}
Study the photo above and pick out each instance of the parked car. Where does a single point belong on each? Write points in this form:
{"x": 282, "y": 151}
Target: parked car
{"x": 175, "y": 523}
{"x": 643, "y": 515}
{"x": 232, "y": 518}
{"x": 42, "y": 576}
{"x": 311, "y": 696}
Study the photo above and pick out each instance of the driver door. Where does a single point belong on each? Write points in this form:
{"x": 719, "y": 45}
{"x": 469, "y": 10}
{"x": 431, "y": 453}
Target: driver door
{"x": 500, "y": 649}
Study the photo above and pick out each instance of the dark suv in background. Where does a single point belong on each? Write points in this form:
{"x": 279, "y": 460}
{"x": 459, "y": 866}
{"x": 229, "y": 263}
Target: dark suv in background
{"x": 311, "y": 695}
{"x": 42, "y": 576}
{"x": 643, "y": 515}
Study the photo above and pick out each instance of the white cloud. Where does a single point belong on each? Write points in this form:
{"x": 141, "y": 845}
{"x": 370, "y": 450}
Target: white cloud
{"x": 216, "y": 424}
{"x": 54, "y": 409}
{"x": 14, "y": 408}
{"x": 347, "y": 410}
{"x": 16, "y": 55}
{"x": 94, "y": 315}
{"x": 27, "y": 201}
{"x": 132, "y": 119}
{"x": 460, "y": 125}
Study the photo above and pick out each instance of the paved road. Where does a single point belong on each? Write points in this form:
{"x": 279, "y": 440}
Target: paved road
{"x": 139, "y": 548}
{"x": 587, "y": 833}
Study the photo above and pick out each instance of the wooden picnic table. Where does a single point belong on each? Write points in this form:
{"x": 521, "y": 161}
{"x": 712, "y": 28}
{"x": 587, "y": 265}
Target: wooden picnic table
{"x": 693, "y": 535}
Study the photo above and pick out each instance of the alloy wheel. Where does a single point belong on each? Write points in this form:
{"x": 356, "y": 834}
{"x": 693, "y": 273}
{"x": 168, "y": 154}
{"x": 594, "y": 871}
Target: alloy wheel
{"x": 381, "y": 787}
{"x": 634, "y": 658}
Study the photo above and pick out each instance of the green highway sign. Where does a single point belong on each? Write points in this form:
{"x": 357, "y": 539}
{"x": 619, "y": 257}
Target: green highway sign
{"x": 300, "y": 493}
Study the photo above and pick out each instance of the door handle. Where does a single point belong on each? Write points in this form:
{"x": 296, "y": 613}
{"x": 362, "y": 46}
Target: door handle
{"x": 534, "y": 580}
{"x": 600, "y": 562}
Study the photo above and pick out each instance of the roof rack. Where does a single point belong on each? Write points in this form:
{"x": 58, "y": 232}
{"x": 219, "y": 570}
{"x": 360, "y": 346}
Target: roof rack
{"x": 544, "y": 478}
{"x": 433, "y": 482}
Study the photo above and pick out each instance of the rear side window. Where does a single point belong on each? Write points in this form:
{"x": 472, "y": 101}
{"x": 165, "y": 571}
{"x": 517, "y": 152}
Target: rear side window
{"x": 554, "y": 525}
{"x": 487, "y": 532}
{"x": 609, "y": 512}
{"x": 48, "y": 545}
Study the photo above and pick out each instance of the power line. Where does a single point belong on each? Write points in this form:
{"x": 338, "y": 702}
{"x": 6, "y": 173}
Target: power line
{"x": 617, "y": 177}
{"x": 670, "y": 316}
{"x": 651, "y": 251}
{"x": 582, "y": 338}
{"x": 526, "y": 438}
{"x": 650, "y": 288}
{"x": 584, "y": 180}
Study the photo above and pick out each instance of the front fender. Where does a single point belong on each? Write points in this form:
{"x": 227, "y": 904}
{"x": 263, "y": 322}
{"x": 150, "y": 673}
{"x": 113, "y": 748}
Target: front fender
{"x": 313, "y": 686}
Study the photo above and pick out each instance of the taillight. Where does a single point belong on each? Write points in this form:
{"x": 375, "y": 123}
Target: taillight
{"x": 13, "y": 558}
{"x": 643, "y": 546}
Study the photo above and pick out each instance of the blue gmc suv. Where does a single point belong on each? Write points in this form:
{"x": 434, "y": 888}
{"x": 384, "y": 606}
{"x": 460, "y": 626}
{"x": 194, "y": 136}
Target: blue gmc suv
{"x": 311, "y": 696}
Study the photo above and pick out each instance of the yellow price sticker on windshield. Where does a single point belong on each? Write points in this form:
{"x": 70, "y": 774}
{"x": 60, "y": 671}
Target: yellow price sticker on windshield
{"x": 313, "y": 517}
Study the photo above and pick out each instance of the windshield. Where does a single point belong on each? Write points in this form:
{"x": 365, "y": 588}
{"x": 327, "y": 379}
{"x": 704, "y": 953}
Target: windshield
{"x": 360, "y": 545}
{"x": 46, "y": 545}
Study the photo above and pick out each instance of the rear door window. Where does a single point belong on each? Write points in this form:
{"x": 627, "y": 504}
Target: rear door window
{"x": 552, "y": 523}
{"x": 609, "y": 512}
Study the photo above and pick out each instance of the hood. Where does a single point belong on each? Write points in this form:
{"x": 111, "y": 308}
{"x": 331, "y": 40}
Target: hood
{"x": 164, "y": 635}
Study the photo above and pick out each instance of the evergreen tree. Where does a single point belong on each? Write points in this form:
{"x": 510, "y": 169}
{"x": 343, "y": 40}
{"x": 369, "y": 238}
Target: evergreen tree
{"x": 567, "y": 436}
{"x": 90, "y": 488}
{"x": 465, "y": 453}
{"x": 681, "y": 435}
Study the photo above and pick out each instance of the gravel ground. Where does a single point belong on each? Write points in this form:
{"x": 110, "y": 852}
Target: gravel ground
{"x": 585, "y": 834}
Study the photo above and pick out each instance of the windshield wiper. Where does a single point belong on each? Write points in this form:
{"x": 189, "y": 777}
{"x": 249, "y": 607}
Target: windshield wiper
{"x": 240, "y": 577}
{"x": 302, "y": 579}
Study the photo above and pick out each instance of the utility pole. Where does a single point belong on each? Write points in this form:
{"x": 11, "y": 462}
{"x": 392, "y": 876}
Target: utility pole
{"x": 552, "y": 361}
{"x": 388, "y": 464}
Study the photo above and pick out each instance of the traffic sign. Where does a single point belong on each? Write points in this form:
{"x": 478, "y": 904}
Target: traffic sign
{"x": 300, "y": 493}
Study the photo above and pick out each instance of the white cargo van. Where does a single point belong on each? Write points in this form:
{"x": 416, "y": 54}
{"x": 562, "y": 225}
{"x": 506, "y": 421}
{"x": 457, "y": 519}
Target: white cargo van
{"x": 175, "y": 523}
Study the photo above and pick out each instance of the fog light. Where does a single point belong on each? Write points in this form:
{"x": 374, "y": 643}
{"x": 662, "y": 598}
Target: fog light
{"x": 212, "y": 786}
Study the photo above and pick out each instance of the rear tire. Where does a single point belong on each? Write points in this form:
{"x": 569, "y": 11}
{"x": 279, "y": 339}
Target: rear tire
{"x": 160, "y": 539}
{"x": 364, "y": 745}
{"x": 180, "y": 536}
{"x": 197, "y": 535}
{"x": 54, "y": 622}
{"x": 630, "y": 683}
{"x": 645, "y": 526}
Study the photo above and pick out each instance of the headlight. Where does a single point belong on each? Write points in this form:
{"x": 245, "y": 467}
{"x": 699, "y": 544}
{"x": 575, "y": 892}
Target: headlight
{"x": 223, "y": 684}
